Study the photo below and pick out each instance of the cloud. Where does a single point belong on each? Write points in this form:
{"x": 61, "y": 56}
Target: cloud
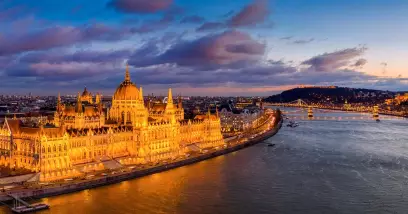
{"x": 140, "y": 6}
{"x": 208, "y": 26}
{"x": 163, "y": 23}
{"x": 360, "y": 63}
{"x": 67, "y": 71}
{"x": 286, "y": 38}
{"x": 333, "y": 61}
{"x": 225, "y": 48}
{"x": 303, "y": 41}
{"x": 384, "y": 67}
{"x": 105, "y": 69}
{"x": 252, "y": 14}
{"x": 5, "y": 61}
{"x": 276, "y": 62}
{"x": 192, "y": 19}
{"x": 77, "y": 57}
{"x": 246, "y": 48}
{"x": 60, "y": 36}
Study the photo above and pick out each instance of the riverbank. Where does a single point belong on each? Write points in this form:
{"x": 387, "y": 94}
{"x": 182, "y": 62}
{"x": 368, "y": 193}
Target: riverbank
{"x": 63, "y": 188}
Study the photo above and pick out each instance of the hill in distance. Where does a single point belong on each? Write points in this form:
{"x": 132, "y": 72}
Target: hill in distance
{"x": 332, "y": 94}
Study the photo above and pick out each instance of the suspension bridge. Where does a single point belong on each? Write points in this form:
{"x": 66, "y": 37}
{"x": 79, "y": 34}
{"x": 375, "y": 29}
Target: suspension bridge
{"x": 306, "y": 111}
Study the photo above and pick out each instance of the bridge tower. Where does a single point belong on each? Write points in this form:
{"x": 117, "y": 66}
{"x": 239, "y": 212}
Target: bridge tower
{"x": 347, "y": 106}
{"x": 376, "y": 114}
{"x": 300, "y": 102}
{"x": 310, "y": 112}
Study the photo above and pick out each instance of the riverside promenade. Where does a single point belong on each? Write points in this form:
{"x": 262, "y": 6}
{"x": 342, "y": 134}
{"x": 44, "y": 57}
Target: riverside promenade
{"x": 40, "y": 191}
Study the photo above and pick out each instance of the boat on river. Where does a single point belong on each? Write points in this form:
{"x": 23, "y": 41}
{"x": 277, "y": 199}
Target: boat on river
{"x": 21, "y": 206}
{"x": 30, "y": 208}
{"x": 292, "y": 124}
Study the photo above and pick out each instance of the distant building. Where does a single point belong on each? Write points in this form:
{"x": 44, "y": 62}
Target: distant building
{"x": 398, "y": 99}
{"x": 237, "y": 121}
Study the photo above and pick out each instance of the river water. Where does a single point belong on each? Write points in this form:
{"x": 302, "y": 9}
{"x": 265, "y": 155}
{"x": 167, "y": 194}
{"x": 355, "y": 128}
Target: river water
{"x": 319, "y": 167}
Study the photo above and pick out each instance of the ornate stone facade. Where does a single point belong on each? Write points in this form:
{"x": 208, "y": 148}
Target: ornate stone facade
{"x": 84, "y": 137}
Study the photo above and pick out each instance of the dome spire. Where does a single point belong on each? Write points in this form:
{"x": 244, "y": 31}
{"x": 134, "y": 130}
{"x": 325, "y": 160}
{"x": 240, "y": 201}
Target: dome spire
{"x": 127, "y": 75}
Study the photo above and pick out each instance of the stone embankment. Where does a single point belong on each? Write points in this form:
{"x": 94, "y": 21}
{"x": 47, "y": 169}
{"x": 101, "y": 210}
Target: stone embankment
{"x": 45, "y": 191}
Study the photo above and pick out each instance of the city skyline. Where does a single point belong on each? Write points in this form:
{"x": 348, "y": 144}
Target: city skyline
{"x": 246, "y": 47}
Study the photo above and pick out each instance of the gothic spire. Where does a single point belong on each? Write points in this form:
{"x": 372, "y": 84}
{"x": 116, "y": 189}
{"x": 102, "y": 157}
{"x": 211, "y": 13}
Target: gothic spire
{"x": 170, "y": 97}
{"x": 59, "y": 102}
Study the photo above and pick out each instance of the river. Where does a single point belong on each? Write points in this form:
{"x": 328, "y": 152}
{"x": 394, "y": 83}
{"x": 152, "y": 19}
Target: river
{"x": 322, "y": 166}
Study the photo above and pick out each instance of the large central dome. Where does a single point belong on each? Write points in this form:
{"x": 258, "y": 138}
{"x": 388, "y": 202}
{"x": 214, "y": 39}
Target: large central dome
{"x": 126, "y": 90}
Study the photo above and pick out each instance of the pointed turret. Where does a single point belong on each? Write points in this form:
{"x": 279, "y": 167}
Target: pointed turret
{"x": 100, "y": 107}
{"x": 141, "y": 93}
{"x": 180, "y": 102}
{"x": 98, "y": 98}
{"x": 78, "y": 107}
{"x": 59, "y": 102}
{"x": 170, "y": 97}
{"x": 216, "y": 111}
{"x": 149, "y": 102}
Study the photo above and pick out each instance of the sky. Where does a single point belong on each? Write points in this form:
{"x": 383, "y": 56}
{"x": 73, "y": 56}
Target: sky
{"x": 197, "y": 47}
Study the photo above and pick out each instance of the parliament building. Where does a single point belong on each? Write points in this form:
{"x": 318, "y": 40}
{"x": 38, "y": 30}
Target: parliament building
{"x": 86, "y": 136}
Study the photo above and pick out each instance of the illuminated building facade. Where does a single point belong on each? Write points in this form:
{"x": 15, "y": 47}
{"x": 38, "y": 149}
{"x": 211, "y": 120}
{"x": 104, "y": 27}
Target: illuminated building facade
{"x": 84, "y": 137}
{"x": 400, "y": 98}
{"x": 232, "y": 122}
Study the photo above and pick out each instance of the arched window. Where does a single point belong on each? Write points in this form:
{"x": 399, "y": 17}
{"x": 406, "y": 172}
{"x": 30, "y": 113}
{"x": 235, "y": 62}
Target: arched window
{"x": 128, "y": 117}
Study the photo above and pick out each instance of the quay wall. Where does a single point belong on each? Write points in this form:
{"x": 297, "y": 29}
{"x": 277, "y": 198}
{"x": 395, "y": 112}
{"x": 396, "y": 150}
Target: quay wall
{"x": 111, "y": 179}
